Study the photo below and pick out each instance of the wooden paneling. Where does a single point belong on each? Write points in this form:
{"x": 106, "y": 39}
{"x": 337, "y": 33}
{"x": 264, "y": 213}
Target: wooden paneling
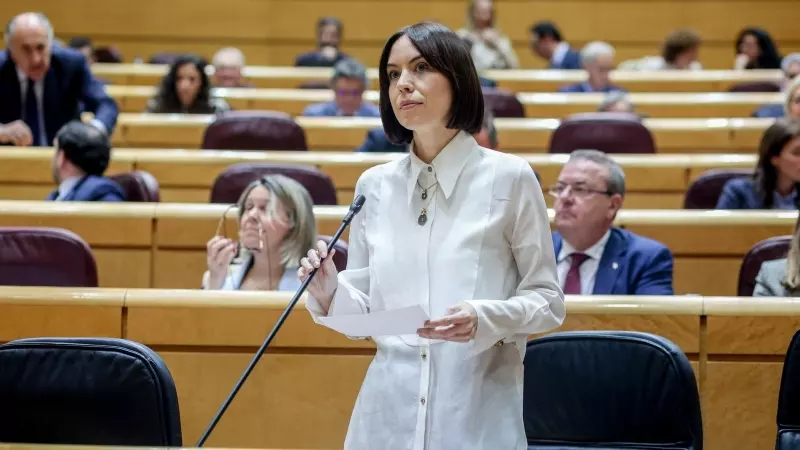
{"x": 515, "y": 135}
{"x": 273, "y": 32}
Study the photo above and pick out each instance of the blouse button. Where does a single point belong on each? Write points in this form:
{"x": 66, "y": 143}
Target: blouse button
{"x": 424, "y": 356}
{"x": 422, "y": 400}
{"x": 430, "y": 169}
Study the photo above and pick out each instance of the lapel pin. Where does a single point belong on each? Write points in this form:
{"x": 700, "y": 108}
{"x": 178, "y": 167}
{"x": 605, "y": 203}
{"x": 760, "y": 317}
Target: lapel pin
{"x": 614, "y": 266}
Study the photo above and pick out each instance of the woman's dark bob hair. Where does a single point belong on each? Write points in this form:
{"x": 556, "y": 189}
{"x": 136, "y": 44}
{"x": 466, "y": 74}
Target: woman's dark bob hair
{"x": 773, "y": 141}
{"x": 446, "y": 53}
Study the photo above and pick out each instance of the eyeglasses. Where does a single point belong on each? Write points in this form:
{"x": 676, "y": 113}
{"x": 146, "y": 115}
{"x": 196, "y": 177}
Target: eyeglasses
{"x": 222, "y": 225}
{"x": 557, "y": 190}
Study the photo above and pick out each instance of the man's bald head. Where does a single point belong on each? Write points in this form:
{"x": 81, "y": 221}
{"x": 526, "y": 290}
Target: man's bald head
{"x": 29, "y": 37}
{"x": 228, "y": 64}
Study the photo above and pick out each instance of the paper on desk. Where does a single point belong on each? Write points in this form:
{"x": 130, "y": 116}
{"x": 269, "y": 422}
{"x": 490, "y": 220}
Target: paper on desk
{"x": 395, "y": 322}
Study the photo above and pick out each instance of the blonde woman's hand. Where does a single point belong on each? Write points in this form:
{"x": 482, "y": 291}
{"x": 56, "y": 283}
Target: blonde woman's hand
{"x": 220, "y": 252}
{"x": 325, "y": 282}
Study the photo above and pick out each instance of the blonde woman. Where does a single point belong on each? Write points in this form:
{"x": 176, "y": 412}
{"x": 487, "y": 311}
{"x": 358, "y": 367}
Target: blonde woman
{"x": 781, "y": 277}
{"x": 490, "y": 48}
{"x": 791, "y": 103}
{"x": 276, "y": 228}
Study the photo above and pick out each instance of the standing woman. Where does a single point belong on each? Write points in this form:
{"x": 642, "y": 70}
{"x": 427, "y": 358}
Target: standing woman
{"x": 490, "y": 48}
{"x": 463, "y": 232}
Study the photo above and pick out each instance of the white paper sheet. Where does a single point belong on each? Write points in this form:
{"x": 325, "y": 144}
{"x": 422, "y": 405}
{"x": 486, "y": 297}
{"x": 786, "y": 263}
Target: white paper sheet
{"x": 396, "y": 322}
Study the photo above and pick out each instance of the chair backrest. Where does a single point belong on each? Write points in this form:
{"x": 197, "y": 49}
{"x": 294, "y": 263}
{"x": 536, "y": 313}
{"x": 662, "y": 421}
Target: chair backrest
{"x": 704, "y": 192}
{"x": 340, "y": 258}
{"x": 108, "y": 55}
{"x": 788, "y": 416}
{"x": 37, "y": 256}
{"x": 165, "y": 58}
{"x": 139, "y": 186}
{"x": 503, "y": 103}
{"x": 766, "y": 250}
{"x": 254, "y": 130}
{"x": 231, "y": 182}
{"x": 755, "y": 86}
{"x": 609, "y": 390}
{"x": 86, "y": 392}
{"x": 607, "y": 132}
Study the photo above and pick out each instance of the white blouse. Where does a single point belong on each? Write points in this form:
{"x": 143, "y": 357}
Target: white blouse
{"x": 486, "y": 241}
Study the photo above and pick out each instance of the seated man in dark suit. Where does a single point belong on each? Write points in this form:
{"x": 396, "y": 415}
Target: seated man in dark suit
{"x": 42, "y": 86}
{"x": 547, "y": 43}
{"x": 349, "y": 82}
{"x": 81, "y": 157}
{"x": 598, "y": 60}
{"x": 329, "y": 37}
{"x": 593, "y": 257}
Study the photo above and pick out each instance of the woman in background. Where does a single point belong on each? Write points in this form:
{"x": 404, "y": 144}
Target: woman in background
{"x": 755, "y": 49}
{"x": 186, "y": 89}
{"x": 792, "y": 100}
{"x": 490, "y": 48}
{"x": 781, "y": 277}
{"x": 775, "y": 182}
{"x": 276, "y": 227}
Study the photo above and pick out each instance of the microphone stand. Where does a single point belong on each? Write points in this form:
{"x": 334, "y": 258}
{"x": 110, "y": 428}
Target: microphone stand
{"x": 354, "y": 209}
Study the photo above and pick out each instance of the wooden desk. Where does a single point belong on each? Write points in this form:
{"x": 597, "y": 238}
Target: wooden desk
{"x": 163, "y": 245}
{"x": 133, "y": 99}
{"x": 514, "y": 80}
{"x": 185, "y": 176}
{"x": 736, "y": 347}
{"x": 716, "y": 135}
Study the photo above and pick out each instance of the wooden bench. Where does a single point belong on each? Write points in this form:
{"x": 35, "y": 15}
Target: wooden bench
{"x": 163, "y": 245}
{"x": 716, "y": 135}
{"x": 278, "y": 77}
{"x": 185, "y": 176}
{"x": 736, "y": 347}
{"x": 133, "y": 99}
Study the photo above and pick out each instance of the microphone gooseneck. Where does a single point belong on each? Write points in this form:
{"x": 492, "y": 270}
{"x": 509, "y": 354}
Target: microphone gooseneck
{"x": 355, "y": 207}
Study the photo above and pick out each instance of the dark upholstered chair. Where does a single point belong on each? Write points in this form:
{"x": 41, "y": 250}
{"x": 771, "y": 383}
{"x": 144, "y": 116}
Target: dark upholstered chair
{"x": 315, "y": 85}
{"x": 756, "y": 86}
{"x": 86, "y": 392}
{"x": 107, "y": 55}
{"x": 788, "y": 419}
{"x": 503, "y": 103}
{"x": 340, "y": 258}
{"x": 35, "y": 256}
{"x": 254, "y": 130}
{"x": 766, "y": 250}
{"x": 229, "y": 185}
{"x": 607, "y": 132}
{"x": 704, "y": 192}
{"x": 610, "y": 390}
{"x": 165, "y": 58}
{"x": 139, "y": 186}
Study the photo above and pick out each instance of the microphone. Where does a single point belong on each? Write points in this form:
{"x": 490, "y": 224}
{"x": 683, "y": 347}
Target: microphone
{"x": 358, "y": 203}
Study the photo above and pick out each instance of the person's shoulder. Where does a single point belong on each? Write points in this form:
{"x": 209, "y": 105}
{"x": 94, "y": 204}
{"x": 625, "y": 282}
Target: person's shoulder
{"x": 740, "y": 184}
{"x": 774, "y": 266}
{"x": 68, "y": 56}
{"x": 641, "y": 244}
{"x": 370, "y": 110}
{"x": 103, "y": 186}
{"x": 319, "y": 110}
{"x": 571, "y": 88}
{"x": 4, "y": 57}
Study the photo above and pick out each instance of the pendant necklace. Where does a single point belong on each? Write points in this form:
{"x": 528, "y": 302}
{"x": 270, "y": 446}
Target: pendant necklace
{"x": 423, "y": 215}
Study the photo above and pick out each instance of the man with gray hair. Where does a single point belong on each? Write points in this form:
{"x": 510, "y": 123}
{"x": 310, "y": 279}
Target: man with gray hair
{"x": 598, "y": 60}
{"x": 594, "y": 257}
{"x": 42, "y": 86}
{"x": 228, "y": 64}
{"x": 790, "y": 66}
{"x": 349, "y": 82}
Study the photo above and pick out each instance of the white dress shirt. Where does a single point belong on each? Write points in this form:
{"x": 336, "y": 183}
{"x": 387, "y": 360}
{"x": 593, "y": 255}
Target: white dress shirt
{"x": 559, "y": 53}
{"x": 587, "y": 269}
{"x": 66, "y": 186}
{"x": 38, "y": 90}
{"x": 487, "y": 242}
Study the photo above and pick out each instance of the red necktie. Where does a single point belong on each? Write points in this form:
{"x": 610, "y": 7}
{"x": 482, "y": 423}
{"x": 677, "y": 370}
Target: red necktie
{"x": 572, "y": 285}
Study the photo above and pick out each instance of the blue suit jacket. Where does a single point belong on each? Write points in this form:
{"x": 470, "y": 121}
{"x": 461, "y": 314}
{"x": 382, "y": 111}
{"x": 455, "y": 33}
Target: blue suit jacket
{"x": 329, "y": 109}
{"x": 377, "y": 141}
{"x": 93, "y": 188}
{"x": 585, "y": 88}
{"x": 571, "y": 61}
{"x": 69, "y": 89}
{"x": 315, "y": 59}
{"x": 740, "y": 193}
{"x": 631, "y": 265}
{"x": 770, "y": 111}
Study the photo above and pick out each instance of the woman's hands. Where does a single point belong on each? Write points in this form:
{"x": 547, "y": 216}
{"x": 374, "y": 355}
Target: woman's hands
{"x": 459, "y": 325}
